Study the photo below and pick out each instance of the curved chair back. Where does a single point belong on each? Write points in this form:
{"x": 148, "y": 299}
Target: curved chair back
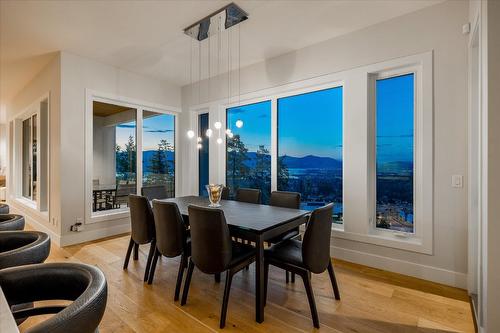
{"x": 85, "y": 285}
{"x": 23, "y": 248}
{"x": 141, "y": 218}
{"x": 211, "y": 247}
{"x": 9, "y": 222}
{"x": 225, "y": 193}
{"x": 249, "y": 195}
{"x": 316, "y": 243}
{"x": 4, "y": 208}
{"x": 154, "y": 192}
{"x": 170, "y": 228}
{"x": 285, "y": 199}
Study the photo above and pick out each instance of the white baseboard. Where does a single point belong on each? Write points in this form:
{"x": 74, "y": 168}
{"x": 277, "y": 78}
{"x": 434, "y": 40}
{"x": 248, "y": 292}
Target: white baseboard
{"x": 434, "y": 274}
{"x": 90, "y": 235}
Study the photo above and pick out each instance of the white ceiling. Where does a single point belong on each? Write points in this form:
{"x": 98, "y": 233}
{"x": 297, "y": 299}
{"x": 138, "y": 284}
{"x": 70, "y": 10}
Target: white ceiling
{"x": 147, "y": 37}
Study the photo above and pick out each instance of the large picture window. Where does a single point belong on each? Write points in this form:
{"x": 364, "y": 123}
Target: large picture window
{"x": 395, "y": 103}
{"x": 248, "y": 159}
{"x": 203, "y": 154}
{"x": 158, "y": 152}
{"x": 310, "y": 148}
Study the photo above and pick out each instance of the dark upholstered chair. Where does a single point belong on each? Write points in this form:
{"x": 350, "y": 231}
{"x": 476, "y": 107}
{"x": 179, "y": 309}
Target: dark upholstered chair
{"x": 4, "y": 208}
{"x": 171, "y": 239}
{"x": 143, "y": 229}
{"x": 154, "y": 192}
{"x": 249, "y": 195}
{"x": 286, "y": 200}
{"x": 212, "y": 250}
{"x": 312, "y": 255}
{"x": 83, "y": 284}
{"x": 11, "y": 222}
{"x": 23, "y": 248}
{"x": 225, "y": 193}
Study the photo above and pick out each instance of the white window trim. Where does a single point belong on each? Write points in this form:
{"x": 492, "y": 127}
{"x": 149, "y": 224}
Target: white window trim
{"x": 140, "y": 106}
{"x": 358, "y": 227}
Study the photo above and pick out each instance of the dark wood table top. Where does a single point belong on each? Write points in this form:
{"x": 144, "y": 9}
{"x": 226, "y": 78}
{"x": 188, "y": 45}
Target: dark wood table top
{"x": 252, "y": 217}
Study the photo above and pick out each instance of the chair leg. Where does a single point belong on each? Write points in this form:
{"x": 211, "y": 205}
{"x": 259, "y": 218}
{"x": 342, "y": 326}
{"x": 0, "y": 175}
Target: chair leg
{"x": 335, "y": 286}
{"x": 217, "y": 277}
{"x": 152, "y": 250}
{"x": 136, "y": 251}
{"x": 182, "y": 266}
{"x": 293, "y": 277}
{"x": 187, "y": 282}
{"x": 287, "y": 277}
{"x": 310, "y": 296}
{"x": 266, "y": 280}
{"x": 153, "y": 267}
{"x": 129, "y": 252}
{"x": 225, "y": 299}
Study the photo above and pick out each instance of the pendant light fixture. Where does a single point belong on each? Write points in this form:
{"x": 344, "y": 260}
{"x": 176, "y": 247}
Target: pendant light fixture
{"x": 215, "y": 24}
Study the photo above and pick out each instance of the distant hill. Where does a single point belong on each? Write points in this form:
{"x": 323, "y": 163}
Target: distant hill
{"x": 311, "y": 161}
{"x": 395, "y": 167}
{"x": 148, "y": 154}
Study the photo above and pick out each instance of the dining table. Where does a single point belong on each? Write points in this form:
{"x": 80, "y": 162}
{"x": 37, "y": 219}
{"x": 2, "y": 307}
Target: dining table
{"x": 252, "y": 222}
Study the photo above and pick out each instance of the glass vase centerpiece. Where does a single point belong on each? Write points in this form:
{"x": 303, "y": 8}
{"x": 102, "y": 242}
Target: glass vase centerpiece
{"x": 214, "y": 194}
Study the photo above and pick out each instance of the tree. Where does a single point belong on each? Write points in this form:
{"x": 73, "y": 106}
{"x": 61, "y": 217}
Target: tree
{"x": 283, "y": 173}
{"x": 236, "y": 157}
{"x": 261, "y": 175}
{"x": 159, "y": 163}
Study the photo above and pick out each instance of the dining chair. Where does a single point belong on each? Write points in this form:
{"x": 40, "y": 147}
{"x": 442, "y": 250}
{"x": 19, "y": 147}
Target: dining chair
{"x": 212, "y": 251}
{"x": 225, "y": 193}
{"x": 171, "y": 239}
{"x": 250, "y": 195}
{"x": 286, "y": 200}
{"x": 143, "y": 229}
{"x": 154, "y": 192}
{"x": 312, "y": 255}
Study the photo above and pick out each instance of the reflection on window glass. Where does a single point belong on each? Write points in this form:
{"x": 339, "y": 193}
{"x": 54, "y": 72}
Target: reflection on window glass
{"x": 158, "y": 154}
{"x": 394, "y": 151}
{"x": 114, "y": 156}
{"x": 248, "y": 162}
{"x": 310, "y": 148}
{"x": 203, "y": 154}
{"x": 27, "y": 158}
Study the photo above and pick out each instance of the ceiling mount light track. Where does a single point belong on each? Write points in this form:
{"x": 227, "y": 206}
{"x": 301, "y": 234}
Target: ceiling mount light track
{"x": 231, "y": 15}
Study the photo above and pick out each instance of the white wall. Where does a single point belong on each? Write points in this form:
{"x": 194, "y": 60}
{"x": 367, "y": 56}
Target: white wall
{"x": 77, "y": 75}
{"x": 437, "y": 28}
{"x": 103, "y": 152}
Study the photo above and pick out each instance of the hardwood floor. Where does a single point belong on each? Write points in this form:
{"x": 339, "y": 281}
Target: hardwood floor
{"x": 372, "y": 300}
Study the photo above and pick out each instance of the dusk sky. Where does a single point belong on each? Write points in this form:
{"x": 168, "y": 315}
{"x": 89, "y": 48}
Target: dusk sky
{"x": 156, "y": 127}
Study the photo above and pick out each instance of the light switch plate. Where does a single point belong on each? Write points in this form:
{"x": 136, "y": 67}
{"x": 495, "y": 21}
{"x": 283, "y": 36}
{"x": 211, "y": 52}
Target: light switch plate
{"x": 457, "y": 181}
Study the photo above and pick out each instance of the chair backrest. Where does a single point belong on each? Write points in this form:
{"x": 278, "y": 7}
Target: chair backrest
{"x": 316, "y": 243}
{"x": 225, "y": 193}
{"x": 285, "y": 199}
{"x": 10, "y": 222}
{"x": 249, "y": 195}
{"x": 85, "y": 285}
{"x": 211, "y": 247}
{"x": 141, "y": 218}
{"x": 23, "y": 248}
{"x": 154, "y": 192}
{"x": 170, "y": 228}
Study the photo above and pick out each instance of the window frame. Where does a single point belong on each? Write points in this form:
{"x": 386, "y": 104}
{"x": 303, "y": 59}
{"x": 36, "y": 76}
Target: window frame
{"x": 140, "y": 106}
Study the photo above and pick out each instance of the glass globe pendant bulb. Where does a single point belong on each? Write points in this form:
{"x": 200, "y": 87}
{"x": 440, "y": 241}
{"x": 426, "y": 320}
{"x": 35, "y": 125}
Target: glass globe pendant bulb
{"x": 239, "y": 123}
{"x": 228, "y": 131}
{"x": 209, "y": 132}
{"x": 199, "y": 139}
{"x": 217, "y": 125}
{"x": 219, "y": 141}
{"x": 190, "y": 134}
{"x": 199, "y": 146}
{"x": 230, "y": 135}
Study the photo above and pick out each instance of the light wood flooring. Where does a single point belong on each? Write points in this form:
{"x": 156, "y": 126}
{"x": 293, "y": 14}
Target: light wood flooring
{"x": 372, "y": 300}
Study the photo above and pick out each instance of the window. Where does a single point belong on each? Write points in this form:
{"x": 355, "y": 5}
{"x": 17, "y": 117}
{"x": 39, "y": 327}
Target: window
{"x": 29, "y": 157}
{"x": 114, "y": 174}
{"x": 203, "y": 154}
{"x": 395, "y": 153}
{"x": 158, "y": 151}
{"x": 248, "y": 161}
{"x": 310, "y": 148}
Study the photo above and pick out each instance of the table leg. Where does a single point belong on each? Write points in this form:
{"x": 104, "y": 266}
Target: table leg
{"x": 259, "y": 280}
